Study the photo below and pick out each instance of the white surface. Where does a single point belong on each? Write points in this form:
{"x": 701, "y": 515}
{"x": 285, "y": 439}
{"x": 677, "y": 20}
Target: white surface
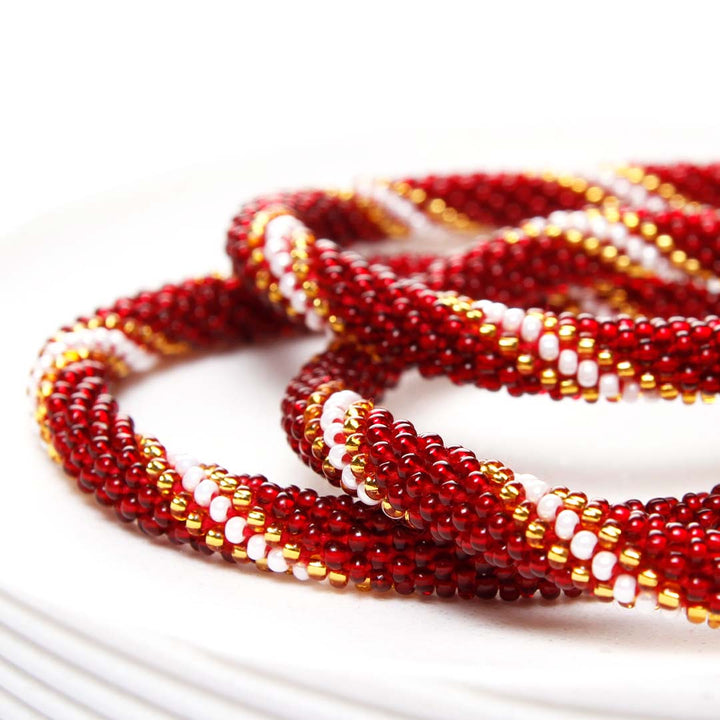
{"x": 217, "y": 104}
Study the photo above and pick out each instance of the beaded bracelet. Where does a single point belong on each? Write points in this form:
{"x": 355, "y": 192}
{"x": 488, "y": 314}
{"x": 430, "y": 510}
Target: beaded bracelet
{"x": 246, "y": 518}
{"x": 484, "y": 342}
{"x": 638, "y": 260}
{"x": 666, "y": 549}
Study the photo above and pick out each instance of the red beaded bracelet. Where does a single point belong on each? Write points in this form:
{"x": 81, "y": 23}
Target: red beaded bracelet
{"x": 634, "y": 260}
{"x": 658, "y": 256}
{"x": 667, "y": 549}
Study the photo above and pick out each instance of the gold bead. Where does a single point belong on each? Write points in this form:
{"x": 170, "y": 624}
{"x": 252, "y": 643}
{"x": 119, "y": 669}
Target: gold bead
{"x": 591, "y": 515}
{"x": 669, "y": 598}
{"x": 558, "y": 555}
{"x": 647, "y": 381}
{"x": 603, "y": 591}
{"x": 511, "y": 494}
{"x": 178, "y": 506}
{"x": 714, "y": 620}
{"x": 357, "y": 465}
{"x": 329, "y": 470}
{"x": 242, "y": 497}
{"x": 390, "y": 511}
{"x": 697, "y": 614}
{"x": 580, "y": 576}
{"x": 648, "y": 579}
{"x": 256, "y": 518}
{"x": 548, "y": 378}
{"x": 625, "y": 369}
{"x": 352, "y": 425}
{"x": 214, "y": 539}
{"x": 609, "y": 535}
{"x": 272, "y": 534}
{"x": 156, "y": 467}
{"x": 576, "y": 501}
{"x": 239, "y": 553}
{"x": 337, "y": 579}
{"x": 364, "y": 586}
{"x": 521, "y": 514}
{"x": 228, "y": 484}
{"x": 566, "y": 332}
{"x": 166, "y": 481}
{"x": 291, "y": 551}
{"x": 372, "y": 489}
{"x": 353, "y": 442}
{"x": 569, "y": 387}
{"x": 316, "y": 570}
{"x": 604, "y": 358}
{"x": 630, "y": 558}
{"x": 525, "y": 364}
{"x": 318, "y": 447}
{"x": 193, "y": 523}
{"x": 586, "y": 346}
{"x": 535, "y": 533}
{"x": 668, "y": 391}
{"x": 508, "y": 346}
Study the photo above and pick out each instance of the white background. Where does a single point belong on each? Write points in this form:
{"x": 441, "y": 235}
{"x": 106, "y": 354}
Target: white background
{"x": 129, "y": 134}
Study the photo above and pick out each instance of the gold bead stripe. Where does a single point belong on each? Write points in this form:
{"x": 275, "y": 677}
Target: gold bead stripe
{"x": 648, "y": 231}
{"x": 652, "y": 183}
{"x": 436, "y": 208}
{"x": 137, "y": 331}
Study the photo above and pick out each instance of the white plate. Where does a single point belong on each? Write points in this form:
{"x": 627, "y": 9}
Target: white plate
{"x": 346, "y": 654}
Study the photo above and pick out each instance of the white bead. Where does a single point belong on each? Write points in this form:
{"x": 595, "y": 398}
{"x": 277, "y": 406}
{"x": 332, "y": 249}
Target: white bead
{"x": 583, "y": 544}
{"x": 219, "y": 507}
{"x": 192, "y": 477}
{"x": 650, "y": 256}
{"x": 300, "y": 572}
{"x": 624, "y": 589}
{"x": 602, "y": 565}
{"x": 548, "y": 506}
{"x": 256, "y": 547}
{"x": 495, "y": 313}
{"x": 364, "y": 497}
{"x": 235, "y": 529}
{"x": 631, "y": 392}
{"x": 618, "y": 234}
{"x": 534, "y": 487}
{"x": 349, "y": 480}
{"x": 565, "y": 524}
{"x": 580, "y": 221}
{"x": 276, "y": 561}
{"x": 298, "y": 302}
{"x": 609, "y": 385}
{"x": 278, "y": 263}
{"x": 330, "y": 416}
{"x": 286, "y": 285}
{"x": 713, "y": 286}
{"x": 587, "y": 373}
{"x": 513, "y": 319}
{"x": 281, "y": 226}
{"x": 568, "y": 362}
{"x": 334, "y": 435}
{"x": 342, "y": 399}
{"x": 205, "y": 492}
{"x": 338, "y": 456}
{"x": 313, "y": 320}
{"x": 549, "y": 346}
{"x": 183, "y": 462}
{"x": 530, "y": 328}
